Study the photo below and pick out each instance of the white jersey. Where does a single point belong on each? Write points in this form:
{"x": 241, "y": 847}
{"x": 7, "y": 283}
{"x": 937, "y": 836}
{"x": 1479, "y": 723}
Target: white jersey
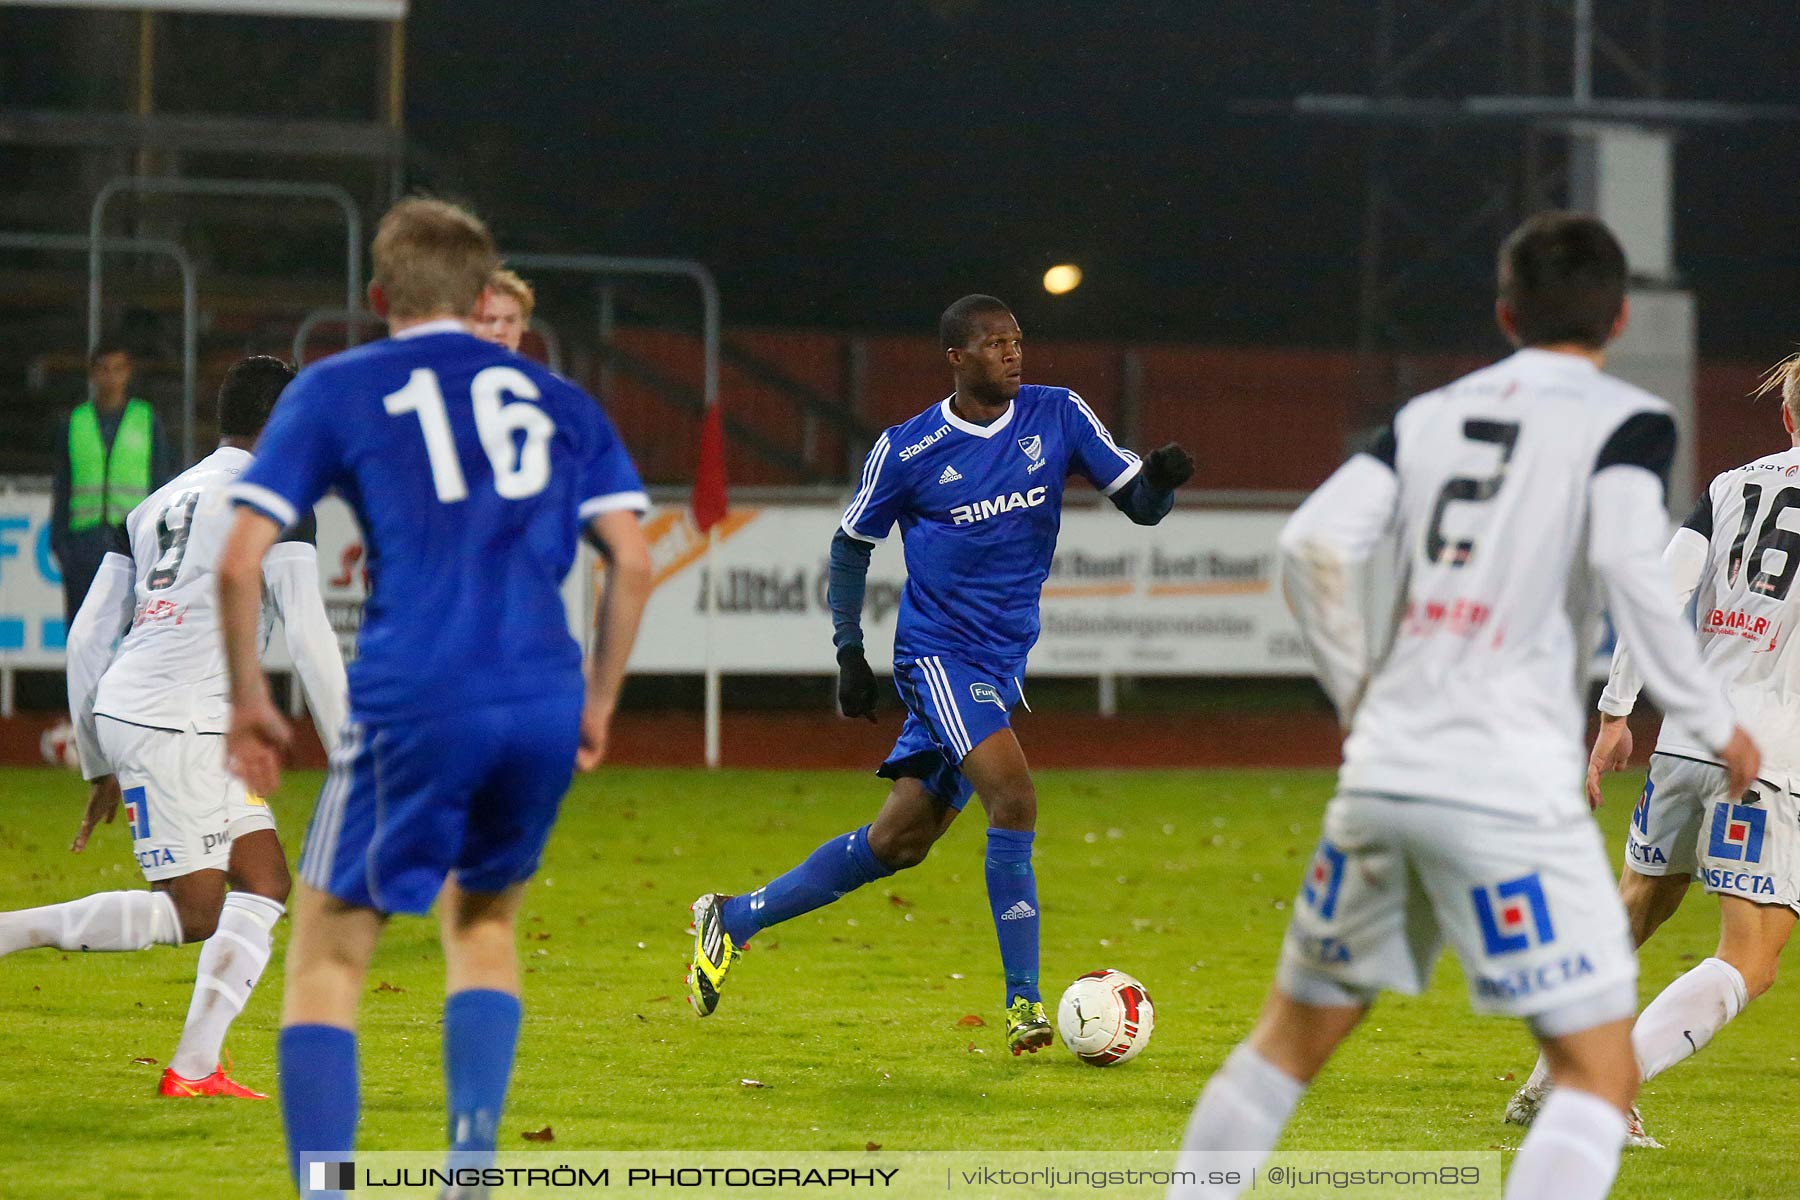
{"x": 1737, "y": 558}
{"x": 158, "y": 588}
{"x": 1511, "y": 493}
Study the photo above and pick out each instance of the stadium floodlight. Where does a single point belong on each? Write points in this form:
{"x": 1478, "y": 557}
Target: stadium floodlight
{"x": 1062, "y": 279}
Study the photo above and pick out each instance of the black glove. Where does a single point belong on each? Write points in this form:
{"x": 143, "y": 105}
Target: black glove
{"x": 1168, "y": 468}
{"x": 856, "y": 684}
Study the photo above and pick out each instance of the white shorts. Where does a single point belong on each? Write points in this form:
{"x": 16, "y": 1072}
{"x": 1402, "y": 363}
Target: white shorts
{"x": 1687, "y": 822}
{"x": 184, "y": 808}
{"x": 1532, "y": 912}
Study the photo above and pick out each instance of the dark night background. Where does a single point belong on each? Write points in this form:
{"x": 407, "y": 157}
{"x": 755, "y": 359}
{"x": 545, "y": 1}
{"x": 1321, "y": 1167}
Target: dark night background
{"x": 853, "y": 165}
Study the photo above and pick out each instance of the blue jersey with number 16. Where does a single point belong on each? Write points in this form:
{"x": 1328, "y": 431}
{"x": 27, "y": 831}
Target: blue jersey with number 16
{"x": 473, "y": 472}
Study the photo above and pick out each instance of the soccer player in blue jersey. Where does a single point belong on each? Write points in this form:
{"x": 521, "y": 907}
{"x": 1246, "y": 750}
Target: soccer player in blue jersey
{"x": 472, "y": 472}
{"x": 976, "y": 485}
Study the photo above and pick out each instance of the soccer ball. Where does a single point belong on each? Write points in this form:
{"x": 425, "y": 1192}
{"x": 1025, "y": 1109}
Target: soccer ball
{"x": 1105, "y": 1017}
{"x": 57, "y": 745}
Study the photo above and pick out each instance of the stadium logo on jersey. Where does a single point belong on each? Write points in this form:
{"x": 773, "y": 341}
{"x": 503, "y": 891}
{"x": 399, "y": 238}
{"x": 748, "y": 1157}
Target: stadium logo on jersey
{"x": 1324, "y": 879}
{"x": 986, "y": 693}
{"x": 137, "y": 813}
{"x": 1737, "y": 832}
{"x": 1514, "y": 915}
{"x": 969, "y": 514}
{"x": 950, "y": 475}
{"x": 1640, "y": 816}
{"x": 924, "y": 443}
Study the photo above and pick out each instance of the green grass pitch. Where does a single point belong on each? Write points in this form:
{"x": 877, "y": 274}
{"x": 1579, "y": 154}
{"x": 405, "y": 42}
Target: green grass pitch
{"x": 849, "y": 1017}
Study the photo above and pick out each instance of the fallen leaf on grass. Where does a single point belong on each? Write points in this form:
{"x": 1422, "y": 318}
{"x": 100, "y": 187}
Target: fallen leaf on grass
{"x": 144, "y": 1062}
{"x": 385, "y": 986}
{"x": 1507, "y": 1078}
{"x": 899, "y": 901}
{"x": 659, "y": 999}
{"x": 546, "y": 1134}
{"x": 971, "y": 1021}
{"x": 974, "y": 1049}
{"x": 872, "y": 1146}
{"x": 751, "y": 1083}
{"x": 538, "y": 937}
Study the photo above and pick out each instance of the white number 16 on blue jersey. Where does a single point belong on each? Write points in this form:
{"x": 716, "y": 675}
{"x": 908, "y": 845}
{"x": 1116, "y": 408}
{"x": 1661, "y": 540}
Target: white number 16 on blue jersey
{"x": 520, "y": 469}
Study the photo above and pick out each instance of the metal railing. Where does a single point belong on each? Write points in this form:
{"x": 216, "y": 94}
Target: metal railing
{"x": 94, "y": 247}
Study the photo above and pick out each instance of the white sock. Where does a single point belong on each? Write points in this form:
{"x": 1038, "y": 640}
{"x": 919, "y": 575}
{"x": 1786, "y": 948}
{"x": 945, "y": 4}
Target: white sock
{"x": 1572, "y": 1151}
{"x": 1241, "y": 1113}
{"x": 230, "y": 964}
{"x": 1540, "y": 1074}
{"x": 103, "y": 921}
{"x": 1686, "y": 1014}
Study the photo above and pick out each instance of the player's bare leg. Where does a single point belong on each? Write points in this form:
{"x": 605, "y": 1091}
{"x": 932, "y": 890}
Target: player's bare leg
{"x": 237, "y": 927}
{"x": 1572, "y": 1150}
{"x": 327, "y": 963}
{"x": 1649, "y": 901}
{"x": 1686, "y": 1014}
{"x": 481, "y": 1014}
{"x": 1247, "y": 1102}
{"x": 997, "y": 769}
{"x": 911, "y": 821}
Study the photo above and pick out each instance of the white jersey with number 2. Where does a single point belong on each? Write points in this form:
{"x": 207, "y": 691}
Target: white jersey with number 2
{"x": 1517, "y": 496}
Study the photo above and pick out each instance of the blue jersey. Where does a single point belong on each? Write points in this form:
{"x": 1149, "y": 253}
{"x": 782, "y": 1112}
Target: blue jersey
{"x": 979, "y": 507}
{"x": 472, "y": 472}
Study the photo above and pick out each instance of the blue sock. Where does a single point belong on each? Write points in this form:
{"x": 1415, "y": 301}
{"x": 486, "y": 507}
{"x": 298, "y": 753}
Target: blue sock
{"x": 1012, "y": 894}
{"x": 835, "y": 869}
{"x": 481, "y": 1032}
{"x": 318, "y": 1094}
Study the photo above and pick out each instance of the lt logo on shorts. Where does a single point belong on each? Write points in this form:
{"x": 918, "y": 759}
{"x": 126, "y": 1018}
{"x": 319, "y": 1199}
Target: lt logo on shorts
{"x": 137, "y": 813}
{"x": 1514, "y": 915}
{"x": 1737, "y": 832}
{"x": 1640, "y": 816}
{"x": 1324, "y": 879}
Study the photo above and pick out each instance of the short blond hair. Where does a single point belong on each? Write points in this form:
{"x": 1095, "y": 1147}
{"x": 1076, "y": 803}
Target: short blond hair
{"x": 1784, "y": 379}
{"x": 432, "y": 258}
{"x": 508, "y": 283}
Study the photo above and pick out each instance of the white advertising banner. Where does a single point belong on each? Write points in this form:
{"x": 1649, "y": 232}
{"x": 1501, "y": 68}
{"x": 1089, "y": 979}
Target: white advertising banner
{"x": 1192, "y": 596}
{"x": 366, "y": 10}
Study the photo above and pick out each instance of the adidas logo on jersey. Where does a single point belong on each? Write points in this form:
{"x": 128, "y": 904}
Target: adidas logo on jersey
{"x": 950, "y": 475}
{"x": 1018, "y": 912}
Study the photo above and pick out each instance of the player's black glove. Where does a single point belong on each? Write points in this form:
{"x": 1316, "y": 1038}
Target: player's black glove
{"x": 856, "y": 684}
{"x": 1168, "y": 468}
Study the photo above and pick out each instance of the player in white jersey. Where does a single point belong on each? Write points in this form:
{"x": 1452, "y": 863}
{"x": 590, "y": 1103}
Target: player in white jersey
{"x": 1737, "y": 562}
{"x": 1459, "y": 811}
{"x": 147, "y": 697}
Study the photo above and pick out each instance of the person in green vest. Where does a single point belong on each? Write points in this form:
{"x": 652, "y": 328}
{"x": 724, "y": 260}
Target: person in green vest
{"x": 112, "y": 454}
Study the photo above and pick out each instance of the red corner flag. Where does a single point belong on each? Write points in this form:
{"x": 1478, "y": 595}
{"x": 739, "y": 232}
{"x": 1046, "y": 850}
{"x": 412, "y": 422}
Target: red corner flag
{"x": 709, "y": 475}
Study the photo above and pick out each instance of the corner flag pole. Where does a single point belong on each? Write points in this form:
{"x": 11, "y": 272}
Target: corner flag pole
{"x": 709, "y": 507}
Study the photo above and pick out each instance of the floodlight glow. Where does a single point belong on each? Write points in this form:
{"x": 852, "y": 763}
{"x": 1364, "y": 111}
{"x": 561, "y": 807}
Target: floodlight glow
{"x": 1062, "y": 279}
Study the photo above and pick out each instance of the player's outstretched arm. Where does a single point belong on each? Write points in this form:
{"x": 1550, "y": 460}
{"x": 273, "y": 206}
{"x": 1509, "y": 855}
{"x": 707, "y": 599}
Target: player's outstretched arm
{"x": 1625, "y": 532}
{"x": 620, "y": 539}
{"x": 1321, "y": 551}
{"x": 1150, "y": 495}
{"x": 94, "y": 634}
{"x": 846, "y": 586}
{"x": 291, "y": 573}
{"x": 257, "y": 735}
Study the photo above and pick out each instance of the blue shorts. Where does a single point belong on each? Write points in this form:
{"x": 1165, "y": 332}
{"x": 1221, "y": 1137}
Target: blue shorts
{"x": 410, "y": 800}
{"x": 951, "y": 708}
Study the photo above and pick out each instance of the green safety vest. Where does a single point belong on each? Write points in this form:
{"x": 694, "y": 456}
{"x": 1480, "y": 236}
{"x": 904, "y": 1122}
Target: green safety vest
{"x": 104, "y": 487}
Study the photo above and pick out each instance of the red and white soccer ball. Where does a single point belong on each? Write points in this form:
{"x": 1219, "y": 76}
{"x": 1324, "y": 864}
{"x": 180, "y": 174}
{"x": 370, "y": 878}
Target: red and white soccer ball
{"x": 57, "y": 745}
{"x": 1106, "y": 1018}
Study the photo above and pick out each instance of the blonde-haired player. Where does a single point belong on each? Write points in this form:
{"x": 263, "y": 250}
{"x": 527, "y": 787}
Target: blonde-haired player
{"x": 1736, "y": 551}
{"x": 504, "y": 312}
